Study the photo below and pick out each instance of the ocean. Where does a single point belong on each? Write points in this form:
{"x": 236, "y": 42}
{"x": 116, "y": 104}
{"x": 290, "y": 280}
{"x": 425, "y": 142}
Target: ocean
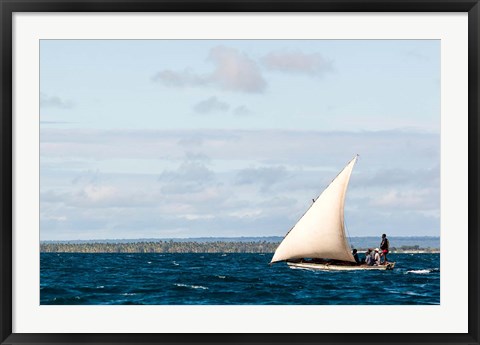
{"x": 229, "y": 279}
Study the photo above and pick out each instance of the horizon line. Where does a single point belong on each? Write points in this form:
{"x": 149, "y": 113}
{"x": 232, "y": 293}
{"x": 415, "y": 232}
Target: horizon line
{"x": 211, "y": 237}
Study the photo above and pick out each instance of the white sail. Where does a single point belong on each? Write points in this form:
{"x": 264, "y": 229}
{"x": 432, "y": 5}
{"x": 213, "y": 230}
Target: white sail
{"x": 320, "y": 233}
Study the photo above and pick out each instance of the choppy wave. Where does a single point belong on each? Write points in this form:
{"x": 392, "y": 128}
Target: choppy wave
{"x": 193, "y": 286}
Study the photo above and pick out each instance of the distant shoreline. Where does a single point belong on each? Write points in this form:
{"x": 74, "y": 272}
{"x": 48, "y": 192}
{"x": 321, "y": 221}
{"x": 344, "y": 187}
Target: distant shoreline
{"x": 171, "y": 246}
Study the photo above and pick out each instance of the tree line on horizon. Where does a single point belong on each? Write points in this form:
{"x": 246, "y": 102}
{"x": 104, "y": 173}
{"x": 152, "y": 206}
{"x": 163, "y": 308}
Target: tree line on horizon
{"x": 183, "y": 247}
{"x": 161, "y": 247}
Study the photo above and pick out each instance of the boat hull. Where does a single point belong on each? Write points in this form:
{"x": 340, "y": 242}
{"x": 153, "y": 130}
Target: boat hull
{"x": 335, "y": 267}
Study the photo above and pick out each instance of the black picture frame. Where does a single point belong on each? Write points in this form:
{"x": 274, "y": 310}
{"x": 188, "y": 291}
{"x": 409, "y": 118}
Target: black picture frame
{"x": 9, "y": 7}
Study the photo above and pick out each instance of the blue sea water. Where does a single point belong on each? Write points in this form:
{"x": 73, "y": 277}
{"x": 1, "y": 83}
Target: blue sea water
{"x": 219, "y": 279}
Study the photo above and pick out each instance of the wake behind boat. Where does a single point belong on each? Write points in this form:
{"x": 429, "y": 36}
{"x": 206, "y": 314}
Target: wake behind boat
{"x": 317, "y": 240}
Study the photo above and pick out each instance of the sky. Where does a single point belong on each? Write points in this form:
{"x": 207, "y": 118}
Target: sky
{"x": 204, "y": 138}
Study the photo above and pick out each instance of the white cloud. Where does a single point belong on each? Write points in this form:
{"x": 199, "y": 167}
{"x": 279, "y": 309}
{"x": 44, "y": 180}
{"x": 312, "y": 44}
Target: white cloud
{"x": 265, "y": 177}
{"x": 368, "y": 221}
{"x": 426, "y": 177}
{"x": 188, "y": 171}
{"x": 236, "y": 71}
{"x": 99, "y": 193}
{"x": 378, "y": 150}
{"x": 233, "y": 71}
{"x": 181, "y": 79}
{"x": 214, "y": 105}
{"x": 410, "y": 199}
{"x": 238, "y": 182}
{"x": 54, "y": 102}
{"x": 246, "y": 213}
{"x": 211, "y": 105}
{"x": 297, "y": 62}
{"x": 198, "y": 216}
{"x": 107, "y": 196}
{"x": 53, "y": 217}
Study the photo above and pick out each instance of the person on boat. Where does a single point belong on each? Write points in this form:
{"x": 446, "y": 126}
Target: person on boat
{"x": 384, "y": 246}
{"x": 378, "y": 260}
{"x": 355, "y": 256}
{"x": 368, "y": 257}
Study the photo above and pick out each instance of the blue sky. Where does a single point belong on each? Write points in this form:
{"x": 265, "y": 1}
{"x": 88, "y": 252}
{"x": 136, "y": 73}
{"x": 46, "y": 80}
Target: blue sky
{"x": 188, "y": 138}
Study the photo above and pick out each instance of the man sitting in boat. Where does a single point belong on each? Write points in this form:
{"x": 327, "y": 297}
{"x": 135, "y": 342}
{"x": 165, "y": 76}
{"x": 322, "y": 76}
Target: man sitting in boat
{"x": 368, "y": 257}
{"x": 384, "y": 247}
{"x": 378, "y": 258}
{"x": 355, "y": 256}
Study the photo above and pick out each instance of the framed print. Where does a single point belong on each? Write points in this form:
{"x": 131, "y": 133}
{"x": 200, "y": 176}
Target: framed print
{"x": 239, "y": 172}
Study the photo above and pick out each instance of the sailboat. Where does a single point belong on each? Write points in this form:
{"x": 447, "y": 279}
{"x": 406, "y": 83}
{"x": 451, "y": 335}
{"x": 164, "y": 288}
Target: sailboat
{"x": 318, "y": 241}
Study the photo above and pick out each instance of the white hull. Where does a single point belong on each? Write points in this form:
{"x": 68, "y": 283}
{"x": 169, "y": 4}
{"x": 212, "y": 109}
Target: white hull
{"x": 333, "y": 267}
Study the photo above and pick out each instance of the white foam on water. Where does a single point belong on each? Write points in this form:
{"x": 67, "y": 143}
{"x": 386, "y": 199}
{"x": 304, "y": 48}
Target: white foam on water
{"x": 392, "y": 291}
{"x": 419, "y": 271}
{"x": 128, "y": 294}
{"x": 149, "y": 262}
{"x": 411, "y": 293}
{"x": 221, "y": 277}
{"x": 193, "y": 286}
{"x": 175, "y": 263}
{"x": 100, "y": 287}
